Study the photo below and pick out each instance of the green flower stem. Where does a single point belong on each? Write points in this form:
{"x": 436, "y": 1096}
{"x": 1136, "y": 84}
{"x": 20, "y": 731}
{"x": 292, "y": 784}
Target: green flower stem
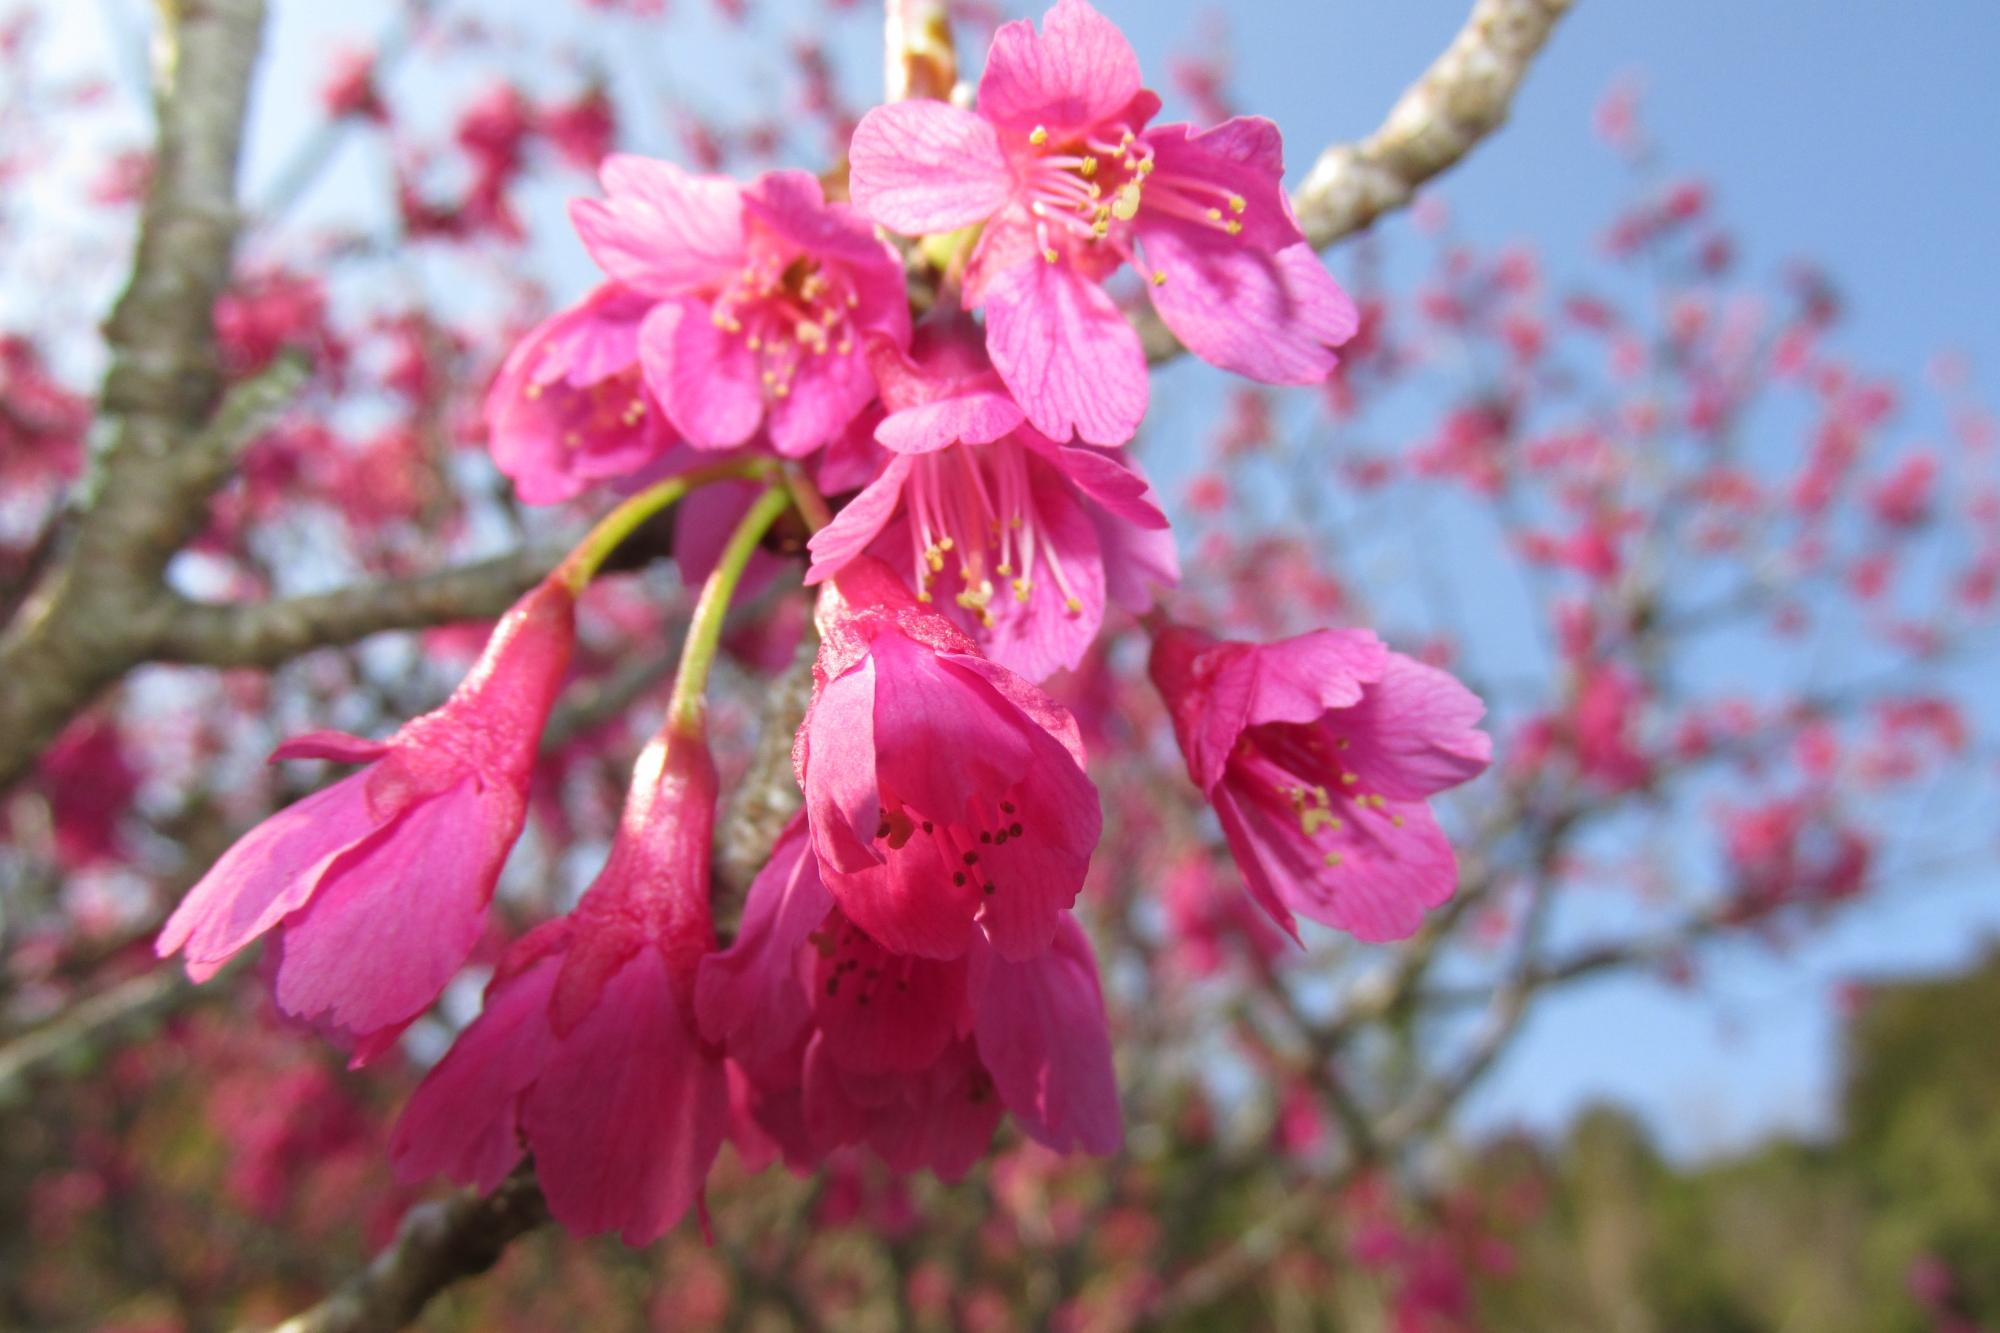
{"x": 582, "y": 563}
{"x": 807, "y": 499}
{"x": 684, "y": 713}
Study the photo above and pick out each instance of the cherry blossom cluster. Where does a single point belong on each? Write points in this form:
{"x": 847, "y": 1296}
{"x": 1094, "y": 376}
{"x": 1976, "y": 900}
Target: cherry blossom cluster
{"x": 907, "y": 970}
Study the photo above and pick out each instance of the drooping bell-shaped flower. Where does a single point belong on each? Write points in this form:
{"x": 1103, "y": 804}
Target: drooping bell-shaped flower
{"x": 759, "y": 298}
{"x": 379, "y": 883}
{"x": 1018, "y": 539}
{"x": 847, "y": 1042}
{"x": 946, "y": 795}
{"x": 586, "y": 1054}
{"x": 1060, "y": 165}
{"x": 1319, "y": 753}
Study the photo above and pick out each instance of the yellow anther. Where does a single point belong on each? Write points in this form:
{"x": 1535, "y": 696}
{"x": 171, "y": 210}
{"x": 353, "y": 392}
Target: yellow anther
{"x": 1233, "y": 227}
{"x": 1332, "y": 858}
{"x": 1159, "y": 277}
{"x": 1089, "y": 167}
{"x": 1397, "y": 820}
{"x": 1215, "y": 215}
{"x": 944, "y": 543}
{"x": 1038, "y": 136}
{"x": 1146, "y": 167}
{"x": 1050, "y": 255}
{"x": 1073, "y": 606}
{"x": 1237, "y": 204}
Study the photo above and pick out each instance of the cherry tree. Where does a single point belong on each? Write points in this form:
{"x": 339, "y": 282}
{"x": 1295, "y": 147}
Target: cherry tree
{"x": 758, "y": 769}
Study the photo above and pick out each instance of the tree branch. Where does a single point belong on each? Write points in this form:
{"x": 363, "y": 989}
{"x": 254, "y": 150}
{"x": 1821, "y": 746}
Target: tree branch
{"x": 263, "y": 634}
{"x": 89, "y": 617}
{"x": 437, "y": 1244}
{"x": 1459, "y": 100}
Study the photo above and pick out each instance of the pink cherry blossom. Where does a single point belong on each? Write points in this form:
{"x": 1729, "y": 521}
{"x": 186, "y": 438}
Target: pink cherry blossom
{"x": 1318, "y": 753}
{"x": 759, "y": 295}
{"x": 380, "y": 881}
{"x": 586, "y": 1054}
{"x": 569, "y": 406}
{"x": 919, "y": 1058}
{"x": 1059, "y": 164}
{"x": 946, "y": 795}
{"x": 1034, "y": 534}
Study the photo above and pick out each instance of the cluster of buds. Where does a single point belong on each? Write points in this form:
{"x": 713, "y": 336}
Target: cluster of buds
{"x": 907, "y": 971}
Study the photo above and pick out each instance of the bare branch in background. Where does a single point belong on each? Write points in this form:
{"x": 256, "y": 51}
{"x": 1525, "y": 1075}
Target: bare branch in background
{"x": 264, "y": 634}
{"x": 86, "y": 620}
{"x": 437, "y": 1244}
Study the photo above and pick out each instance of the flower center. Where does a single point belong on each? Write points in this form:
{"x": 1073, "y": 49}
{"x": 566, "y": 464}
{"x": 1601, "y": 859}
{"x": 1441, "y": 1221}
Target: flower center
{"x": 1301, "y": 767}
{"x": 975, "y": 504}
{"x": 984, "y": 828}
{"x": 604, "y": 411}
{"x": 785, "y": 310}
{"x": 1078, "y": 189}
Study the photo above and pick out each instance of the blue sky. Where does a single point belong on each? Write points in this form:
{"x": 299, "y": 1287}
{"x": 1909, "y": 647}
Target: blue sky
{"x": 1859, "y": 135}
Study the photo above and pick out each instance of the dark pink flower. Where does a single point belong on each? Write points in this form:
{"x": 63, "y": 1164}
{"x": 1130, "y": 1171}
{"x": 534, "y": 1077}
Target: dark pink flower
{"x": 1318, "y": 753}
{"x": 1034, "y": 535}
{"x": 944, "y": 792}
{"x": 847, "y": 1042}
{"x": 381, "y": 880}
{"x": 586, "y": 1054}
{"x": 760, "y": 297}
{"x": 1060, "y": 166}
{"x": 570, "y": 407}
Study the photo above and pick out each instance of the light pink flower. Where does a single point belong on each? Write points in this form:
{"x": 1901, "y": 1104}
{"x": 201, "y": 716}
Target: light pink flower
{"x": 847, "y": 1042}
{"x": 586, "y": 1054}
{"x": 760, "y": 296}
{"x": 1318, "y": 753}
{"x": 381, "y": 880}
{"x": 946, "y": 795}
{"x": 1033, "y": 534}
{"x": 1059, "y": 164}
{"x": 569, "y": 406}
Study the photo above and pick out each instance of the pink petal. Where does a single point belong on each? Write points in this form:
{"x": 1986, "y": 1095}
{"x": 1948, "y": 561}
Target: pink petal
{"x": 1243, "y": 156}
{"x": 1071, "y": 360}
{"x": 338, "y": 746}
{"x": 1041, "y": 636}
{"x": 978, "y": 417}
{"x": 1041, "y": 1033}
{"x": 1413, "y": 733}
{"x": 944, "y": 1118}
{"x": 271, "y": 872}
{"x": 1272, "y": 316}
{"x": 1078, "y": 71}
{"x": 1298, "y": 679}
{"x": 750, "y": 997}
{"x": 662, "y": 231}
{"x": 395, "y": 916}
{"x": 1384, "y": 879}
{"x": 628, "y": 1114}
{"x": 705, "y": 379}
{"x": 842, "y": 793}
{"x": 923, "y": 167}
{"x": 1035, "y": 873}
{"x": 824, "y": 395}
{"x": 463, "y": 1121}
{"x": 884, "y": 1013}
{"x": 858, "y": 523}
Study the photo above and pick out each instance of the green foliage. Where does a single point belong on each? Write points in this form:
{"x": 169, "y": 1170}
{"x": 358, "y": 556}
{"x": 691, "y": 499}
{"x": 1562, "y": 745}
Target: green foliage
{"x": 1829, "y": 1237}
